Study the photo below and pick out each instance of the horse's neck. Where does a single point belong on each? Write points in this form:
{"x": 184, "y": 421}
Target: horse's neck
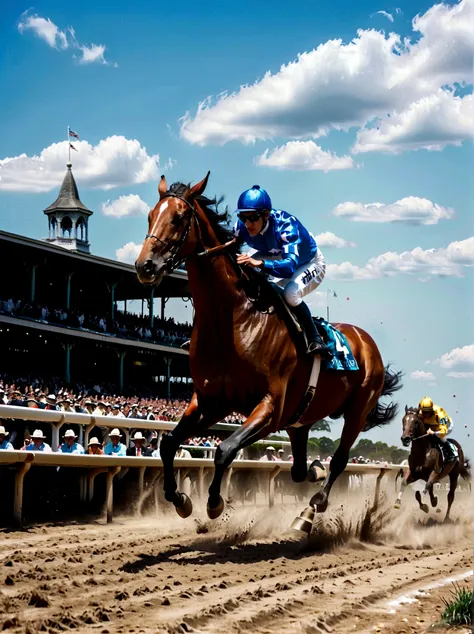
{"x": 212, "y": 280}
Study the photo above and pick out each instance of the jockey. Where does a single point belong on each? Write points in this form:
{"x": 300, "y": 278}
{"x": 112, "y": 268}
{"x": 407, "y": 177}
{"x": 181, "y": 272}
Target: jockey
{"x": 438, "y": 423}
{"x": 285, "y": 250}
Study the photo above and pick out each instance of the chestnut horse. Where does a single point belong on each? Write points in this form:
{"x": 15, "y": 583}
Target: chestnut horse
{"x": 426, "y": 463}
{"x": 244, "y": 360}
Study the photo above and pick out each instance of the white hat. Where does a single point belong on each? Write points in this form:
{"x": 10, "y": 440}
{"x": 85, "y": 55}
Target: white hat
{"x": 270, "y": 448}
{"x": 94, "y": 441}
{"x": 115, "y": 432}
{"x": 38, "y": 434}
{"x": 51, "y": 397}
{"x": 3, "y": 431}
{"x": 281, "y": 451}
{"x": 138, "y": 436}
{"x": 70, "y": 434}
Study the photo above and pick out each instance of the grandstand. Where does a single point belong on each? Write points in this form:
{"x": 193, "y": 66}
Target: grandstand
{"x": 59, "y": 313}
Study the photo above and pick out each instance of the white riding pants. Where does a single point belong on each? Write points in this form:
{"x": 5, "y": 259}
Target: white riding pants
{"x": 305, "y": 279}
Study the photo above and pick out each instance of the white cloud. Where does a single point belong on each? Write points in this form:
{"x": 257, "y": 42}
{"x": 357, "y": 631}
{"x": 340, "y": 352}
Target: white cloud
{"x": 410, "y": 210}
{"x": 340, "y": 85}
{"x": 457, "y": 356}
{"x": 330, "y": 240}
{"x": 129, "y": 252}
{"x": 431, "y": 123}
{"x": 421, "y": 375}
{"x": 92, "y": 53}
{"x": 45, "y": 29}
{"x": 461, "y": 375}
{"x": 444, "y": 262}
{"x": 113, "y": 162}
{"x": 386, "y": 14}
{"x": 131, "y": 205}
{"x": 303, "y": 156}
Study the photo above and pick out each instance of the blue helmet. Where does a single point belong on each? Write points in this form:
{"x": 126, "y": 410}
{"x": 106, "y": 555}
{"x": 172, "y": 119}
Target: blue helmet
{"x": 255, "y": 199}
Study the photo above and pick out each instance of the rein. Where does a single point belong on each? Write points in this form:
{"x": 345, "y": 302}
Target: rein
{"x": 172, "y": 262}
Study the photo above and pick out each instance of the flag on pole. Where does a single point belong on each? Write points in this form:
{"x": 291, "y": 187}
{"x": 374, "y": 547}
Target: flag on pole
{"x": 74, "y": 134}
{"x": 72, "y": 147}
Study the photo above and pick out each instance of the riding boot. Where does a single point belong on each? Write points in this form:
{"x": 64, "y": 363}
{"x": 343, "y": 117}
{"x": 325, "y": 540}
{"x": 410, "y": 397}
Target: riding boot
{"x": 315, "y": 344}
{"x": 447, "y": 451}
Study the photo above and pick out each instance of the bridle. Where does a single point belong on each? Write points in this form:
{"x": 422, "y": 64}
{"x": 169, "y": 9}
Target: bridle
{"x": 416, "y": 426}
{"x": 172, "y": 262}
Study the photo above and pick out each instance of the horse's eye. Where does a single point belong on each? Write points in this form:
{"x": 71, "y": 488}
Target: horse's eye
{"x": 177, "y": 220}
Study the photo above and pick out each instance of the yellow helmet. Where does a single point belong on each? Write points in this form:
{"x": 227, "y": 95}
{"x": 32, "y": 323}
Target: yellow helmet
{"x": 426, "y": 405}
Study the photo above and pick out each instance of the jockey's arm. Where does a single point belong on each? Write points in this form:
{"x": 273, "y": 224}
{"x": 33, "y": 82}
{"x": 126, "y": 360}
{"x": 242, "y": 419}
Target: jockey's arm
{"x": 445, "y": 423}
{"x": 287, "y": 265}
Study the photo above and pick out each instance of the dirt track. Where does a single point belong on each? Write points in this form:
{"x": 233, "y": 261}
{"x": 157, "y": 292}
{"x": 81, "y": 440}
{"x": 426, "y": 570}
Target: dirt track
{"x": 239, "y": 574}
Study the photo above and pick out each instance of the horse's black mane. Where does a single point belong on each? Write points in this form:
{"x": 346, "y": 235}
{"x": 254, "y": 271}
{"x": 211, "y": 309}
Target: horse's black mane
{"x": 220, "y": 220}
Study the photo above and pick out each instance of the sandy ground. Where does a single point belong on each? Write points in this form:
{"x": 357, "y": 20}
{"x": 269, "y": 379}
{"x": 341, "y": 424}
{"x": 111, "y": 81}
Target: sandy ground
{"x": 241, "y": 573}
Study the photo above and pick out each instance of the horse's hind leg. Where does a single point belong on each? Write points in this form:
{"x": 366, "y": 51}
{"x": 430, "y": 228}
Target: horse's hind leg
{"x": 433, "y": 498}
{"x": 352, "y": 426}
{"x": 453, "y": 483}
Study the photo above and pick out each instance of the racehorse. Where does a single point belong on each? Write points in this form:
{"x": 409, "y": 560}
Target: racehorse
{"x": 426, "y": 463}
{"x": 246, "y": 360}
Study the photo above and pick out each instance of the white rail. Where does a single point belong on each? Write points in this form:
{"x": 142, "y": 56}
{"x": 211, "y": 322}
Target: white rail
{"x": 92, "y": 465}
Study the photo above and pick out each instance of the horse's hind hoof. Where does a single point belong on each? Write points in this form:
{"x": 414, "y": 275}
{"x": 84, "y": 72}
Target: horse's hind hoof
{"x": 304, "y": 523}
{"x": 185, "y": 509}
{"x": 396, "y": 506}
{"x": 214, "y": 511}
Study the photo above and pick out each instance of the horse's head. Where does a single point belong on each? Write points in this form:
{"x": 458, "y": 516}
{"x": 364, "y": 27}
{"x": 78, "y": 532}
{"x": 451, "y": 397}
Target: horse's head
{"x": 412, "y": 425}
{"x": 172, "y": 231}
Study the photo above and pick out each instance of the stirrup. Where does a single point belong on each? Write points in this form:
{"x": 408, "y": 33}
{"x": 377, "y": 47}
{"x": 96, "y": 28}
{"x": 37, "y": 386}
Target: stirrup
{"x": 319, "y": 347}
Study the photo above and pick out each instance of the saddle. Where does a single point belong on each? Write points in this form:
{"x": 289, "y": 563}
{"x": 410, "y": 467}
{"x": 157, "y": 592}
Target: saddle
{"x": 267, "y": 297}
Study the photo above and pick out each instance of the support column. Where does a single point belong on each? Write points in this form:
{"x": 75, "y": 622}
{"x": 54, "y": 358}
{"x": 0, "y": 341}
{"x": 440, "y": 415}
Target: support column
{"x": 168, "y": 376}
{"x": 164, "y": 301}
{"x": 33, "y": 282}
{"x": 18, "y": 499}
{"x": 68, "y": 347}
{"x": 121, "y": 355}
{"x": 111, "y": 288}
{"x": 111, "y": 473}
{"x": 68, "y": 290}
{"x": 151, "y": 307}
{"x": 125, "y": 307}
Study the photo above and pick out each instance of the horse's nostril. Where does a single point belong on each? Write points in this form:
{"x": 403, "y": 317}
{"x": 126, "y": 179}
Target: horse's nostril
{"x": 148, "y": 266}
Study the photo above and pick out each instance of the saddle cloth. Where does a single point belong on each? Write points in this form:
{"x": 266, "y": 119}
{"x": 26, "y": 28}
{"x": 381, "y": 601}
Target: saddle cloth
{"x": 268, "y": 297}
{"x": 342, "y": 359}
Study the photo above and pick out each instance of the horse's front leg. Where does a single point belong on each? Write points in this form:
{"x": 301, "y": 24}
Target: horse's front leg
{"x": 191, "y": 423}
{"x": 254, "y": 428}
{"x": 405, "y": 482}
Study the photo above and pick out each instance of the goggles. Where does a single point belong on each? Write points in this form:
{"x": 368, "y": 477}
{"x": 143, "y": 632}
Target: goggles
{"x": 245, "y": 216}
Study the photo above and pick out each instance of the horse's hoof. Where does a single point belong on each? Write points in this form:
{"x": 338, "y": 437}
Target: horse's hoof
{"x": 396, "y": 505}
{"x": 434, "y": 502}
{"x": 321, "y": 508}
{"x": 424, "y": 508}
{"x": 185, "y": 509}
{"x": 215, "y": 511}
{"x": 304, "y": 523}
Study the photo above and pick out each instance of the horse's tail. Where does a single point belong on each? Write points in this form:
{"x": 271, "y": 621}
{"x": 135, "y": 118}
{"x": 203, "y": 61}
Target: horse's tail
{"x": 464, "y": 464}
{"x": 465, "y": 470}
{"x": 383, "y": 414}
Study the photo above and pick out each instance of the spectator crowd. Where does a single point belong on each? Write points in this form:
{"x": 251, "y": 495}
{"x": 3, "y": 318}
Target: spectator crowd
{"x": 124, "y": 325}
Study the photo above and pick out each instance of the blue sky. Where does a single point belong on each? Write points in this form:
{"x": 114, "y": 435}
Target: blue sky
{"x": 358, "y": 122}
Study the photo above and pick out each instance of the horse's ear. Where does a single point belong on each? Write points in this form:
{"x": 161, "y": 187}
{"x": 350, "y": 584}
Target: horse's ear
{"x": 162, "y": 187}
{"x": 199, "y": 188}
{"x": 406, "y": 409}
